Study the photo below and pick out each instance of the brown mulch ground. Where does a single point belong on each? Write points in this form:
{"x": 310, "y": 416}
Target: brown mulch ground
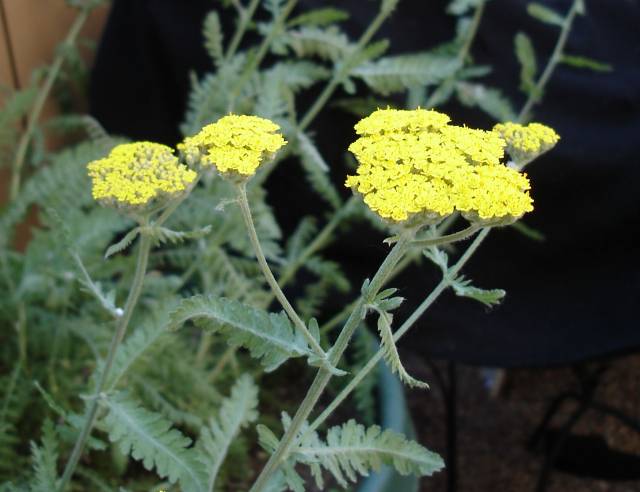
{"x": 493, "y": 431}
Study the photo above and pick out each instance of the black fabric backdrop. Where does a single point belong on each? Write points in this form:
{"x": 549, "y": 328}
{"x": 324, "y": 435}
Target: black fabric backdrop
{"x": 573, "y": 296}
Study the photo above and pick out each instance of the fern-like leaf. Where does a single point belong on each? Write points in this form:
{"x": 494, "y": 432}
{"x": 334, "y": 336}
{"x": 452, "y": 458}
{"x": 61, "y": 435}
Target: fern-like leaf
{"x": 351, "y": 450}
{"x": 269, "y": 337}
{"x": 236, "y": 412}
{"x": 391, "y": 355}
{"x": 45, "y": 458}
{"x": 149, "y": 438}
{"x": 326, "y": 43}
{"x": 399, "y": 73}
{"x": 212, "y": 33}
{"x": 317, "y": 170}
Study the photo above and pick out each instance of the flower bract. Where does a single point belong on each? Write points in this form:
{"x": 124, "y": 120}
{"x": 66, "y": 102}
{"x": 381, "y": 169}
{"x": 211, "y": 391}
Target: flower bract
{"x": 134, "y": 174}
{"x": 235, "y": 145}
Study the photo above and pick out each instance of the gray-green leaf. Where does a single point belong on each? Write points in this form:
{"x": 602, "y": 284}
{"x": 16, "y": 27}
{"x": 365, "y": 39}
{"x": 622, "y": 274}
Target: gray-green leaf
{"x": 527, "y": 58}
{"x": 269, "y": 337}
{"x": 545, "y": 14}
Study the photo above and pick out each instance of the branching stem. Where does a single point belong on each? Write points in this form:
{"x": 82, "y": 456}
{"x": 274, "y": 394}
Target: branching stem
{"x": 123, "y": 323}
{"x": 536, "y": 94}
{"x": 411, "y": 320}
{"x": 322, "y": 378}
{"x": 246, "y": 14}
{"x": 243, "y": 202}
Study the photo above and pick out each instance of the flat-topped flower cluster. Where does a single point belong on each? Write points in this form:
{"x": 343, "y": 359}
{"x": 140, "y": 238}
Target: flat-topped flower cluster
{"x": 415, "y": 167}
{"x": 133, "y": 174}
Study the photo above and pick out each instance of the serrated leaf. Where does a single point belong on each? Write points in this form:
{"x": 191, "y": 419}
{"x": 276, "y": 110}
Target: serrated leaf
{"x": 45, "y": 458}
{"x": 399, "y": 73}
{"x": 545, "y": 14}
{"x": 527, "y": 58}
{"x": 213, "y": 38}
{"x": 438, "y": 257}
{"x": 489, "y": 100}
{"x": 165, "y": 235}
{"x": 123, "y": 243}
{"x": 150, "y": 438}
{"x": 489, "y": 298}
{"x": 236, "y": 412}
{"x": 317, "y": 170}
{"x": 326, "y": 43}
{"x": 319, "y": 17}
{"x": 351, "y": 449}
{"x": 585, "y": 62}
{"x": 269, "y": 337}
{"x": 391, "y": 355}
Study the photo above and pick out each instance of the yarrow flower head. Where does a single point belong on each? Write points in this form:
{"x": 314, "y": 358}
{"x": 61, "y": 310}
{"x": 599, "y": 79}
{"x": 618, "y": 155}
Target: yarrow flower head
{"x": 135, "y": 174}
{"x": 235, "y": 145}
{"x": 526, "y": 142}
{"x": 415, "y": 168}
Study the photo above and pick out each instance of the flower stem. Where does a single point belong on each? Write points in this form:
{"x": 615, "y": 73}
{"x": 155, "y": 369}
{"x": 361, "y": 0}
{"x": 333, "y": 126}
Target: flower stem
{"x": 256, "y": 59}
{"x": 268, "y": 274}
{"x": 411, "y": 320}
{"x": 246, "y": 14}
{"x": 343, "y": 71}
{"x": 462, "y": 54}
{"x": 324, "y": 375}
{"x": 448, "y": 239}
{"x": 41, "y": 98}
{"x": 123, "y": 323}
{"x": 536, "y": 94}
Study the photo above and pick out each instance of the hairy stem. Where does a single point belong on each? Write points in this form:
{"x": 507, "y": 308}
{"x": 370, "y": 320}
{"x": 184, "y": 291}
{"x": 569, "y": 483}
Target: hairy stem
{"x": 411, "y": 320}
{"x": 123, "y": 323}
{"x": 268, "y": 274}
{"x": 256, "y": 59}
{"x": 246, "y": 14}
{"x": 536, "y": 94}
{"x": 462, "y": 54}
{"x": 343, "y": 71}
{"x": 322, "y": 378}
{"x": 41, "y": 98}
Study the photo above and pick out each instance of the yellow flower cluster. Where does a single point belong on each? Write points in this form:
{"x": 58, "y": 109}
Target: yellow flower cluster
{"x": 133, "y": 174}
{"x": 525, "y": 143}
{"x": 416, "y": 168}
{"x": 235, "y": 145}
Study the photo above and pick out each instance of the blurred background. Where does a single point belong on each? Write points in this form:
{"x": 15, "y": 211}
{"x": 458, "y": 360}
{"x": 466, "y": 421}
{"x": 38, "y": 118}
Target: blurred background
{"x": 564, "y": 343}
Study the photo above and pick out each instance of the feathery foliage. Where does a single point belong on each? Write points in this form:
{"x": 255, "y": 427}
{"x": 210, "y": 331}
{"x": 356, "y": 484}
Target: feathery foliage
{"x": 269, "y": 337}
{"x": 150, "y": 438}
{"x": 236, "y": 412}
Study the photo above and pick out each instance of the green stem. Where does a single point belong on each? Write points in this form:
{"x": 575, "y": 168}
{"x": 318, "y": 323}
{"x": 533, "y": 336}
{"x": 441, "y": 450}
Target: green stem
{"x": 322, "y": 378}
{"x": 318, "y": 243}
{"x": 448, "y": 239}
{"x": 411, "y": 320}
{"x": 268, "y": 274}
{"x": 41, "y": 98}
{"x": 245, "y": 18}
{"x": 462, "y": 54}
{"x": 255, "y": 60}
{"x": 343, "y": 71}
{"x": 123, "y": 323}
{"x": 536, "y": 94}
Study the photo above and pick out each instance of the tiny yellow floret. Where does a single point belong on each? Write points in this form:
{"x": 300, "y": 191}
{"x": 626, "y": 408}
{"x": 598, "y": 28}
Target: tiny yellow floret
{"x": 526, "y": 142}
{"x": 416, "y": 168}
{"x": 235, "y": 145}
{"x": 134, "y": 174}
